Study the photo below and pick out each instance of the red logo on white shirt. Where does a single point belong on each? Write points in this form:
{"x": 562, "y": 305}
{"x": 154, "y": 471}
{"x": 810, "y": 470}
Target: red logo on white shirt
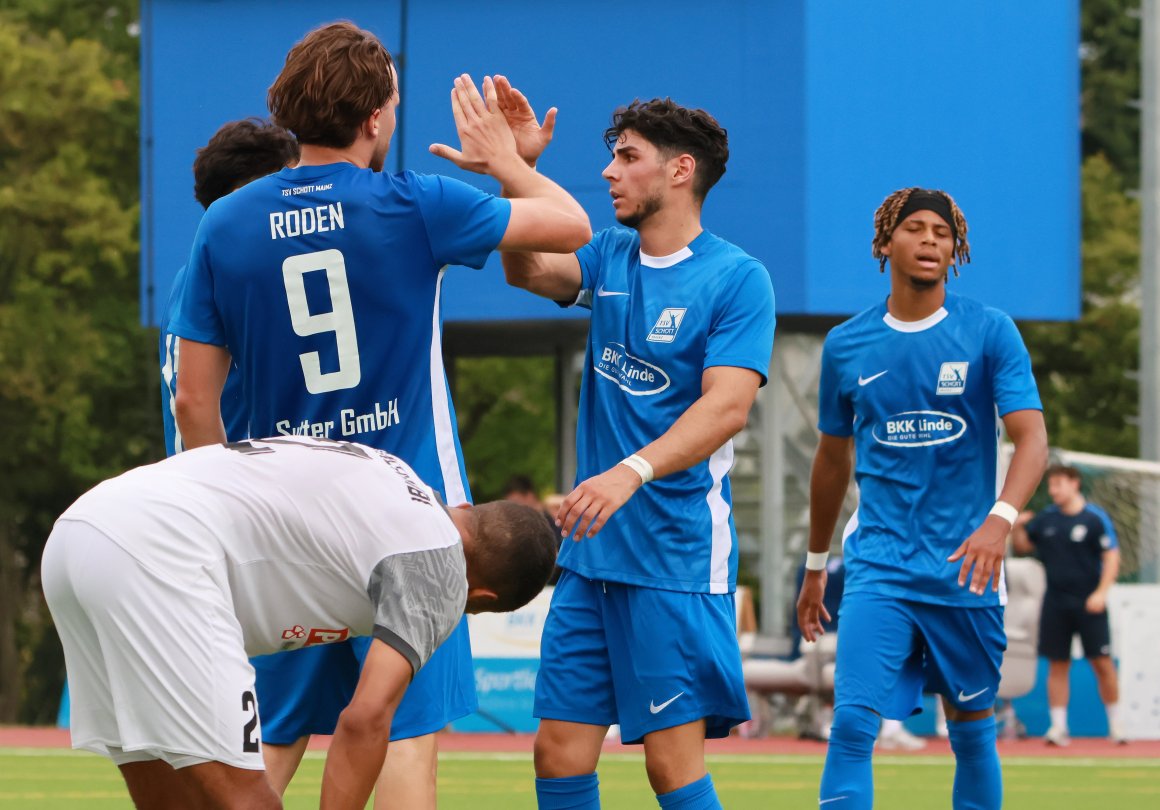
{"x": 320, "y": 635}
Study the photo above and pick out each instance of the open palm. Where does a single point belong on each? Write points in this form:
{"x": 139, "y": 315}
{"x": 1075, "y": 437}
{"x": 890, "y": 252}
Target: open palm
{"x": 532, "y": 136}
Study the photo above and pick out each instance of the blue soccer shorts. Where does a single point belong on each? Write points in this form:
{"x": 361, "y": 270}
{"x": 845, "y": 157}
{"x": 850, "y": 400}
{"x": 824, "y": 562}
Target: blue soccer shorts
{"x": 891, "y": 650}
{"x": 303, "y": 691}
{"x": 645, "y": 658}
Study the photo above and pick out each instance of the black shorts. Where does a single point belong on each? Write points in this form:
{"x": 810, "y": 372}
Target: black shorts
{"x": 1063, "y": 616}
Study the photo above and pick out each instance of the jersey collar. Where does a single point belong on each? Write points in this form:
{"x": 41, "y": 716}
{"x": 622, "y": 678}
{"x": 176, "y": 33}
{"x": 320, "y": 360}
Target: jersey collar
{"x": 673, "y": 258}
{"x": 929, "y": 322}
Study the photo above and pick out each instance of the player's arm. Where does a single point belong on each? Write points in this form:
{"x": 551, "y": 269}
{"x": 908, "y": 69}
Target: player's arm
{"x": 1097, "y": 602}
{"x": 727, "y": 394}
{"x": 360, "y": 739}
{"x": 829, "y": 480}
{"x": 985, "y": 549}
{"x": 544, "y": 217}
{"x": 552, "y": 275}
{"x": 1021, "y": 538}
{"x": 197, "y": 405}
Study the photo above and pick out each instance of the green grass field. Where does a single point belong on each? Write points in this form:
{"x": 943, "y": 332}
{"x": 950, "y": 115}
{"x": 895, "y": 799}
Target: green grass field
{"x": 48, "y": 780}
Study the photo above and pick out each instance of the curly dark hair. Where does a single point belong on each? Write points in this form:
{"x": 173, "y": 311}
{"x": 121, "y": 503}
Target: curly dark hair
{"x": 239, "y": 152}
{"x": 332, "y": 81}
{"x": 676, "y": 130}
{"x": 886, "y": 220}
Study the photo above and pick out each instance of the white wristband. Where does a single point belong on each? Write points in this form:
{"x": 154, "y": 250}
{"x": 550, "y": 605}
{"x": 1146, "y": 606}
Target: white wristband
{"x": 1006, "y": 511}
{"x": 816, "y": 560}
{"x": 640, "y": 467}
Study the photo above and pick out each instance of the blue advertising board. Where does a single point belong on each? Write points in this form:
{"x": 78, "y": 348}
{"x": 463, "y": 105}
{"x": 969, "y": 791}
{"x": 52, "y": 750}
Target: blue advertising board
{"x": 829, "y": 107}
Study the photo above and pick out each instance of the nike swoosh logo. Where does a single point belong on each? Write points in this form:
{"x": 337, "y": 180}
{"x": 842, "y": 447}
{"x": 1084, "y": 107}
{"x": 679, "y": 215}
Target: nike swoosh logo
{"x": 835, "y": 799}
{"x": 601, "y": 293}
{"x": 964, "y": 698}
{"x": 867, "y": 380}
{"x": 655, "y": 709}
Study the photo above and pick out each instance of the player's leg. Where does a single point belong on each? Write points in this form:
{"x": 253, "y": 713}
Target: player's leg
{"x": 282, "y": 762}
{"x": 878, "y": 673}
{"x": 574, "y": 696}
{"x": 442, "y": 692}
{"x": 1056, "y": 628}
{"x": 301, "y": 692}
{"x": 1095, "y": 635}
{"x": 409, "y": 775}
{"x": 154, "y": 783}
{"x": 176, "y": 674}
{"x": 964, "y": 649}
{"x": 676, "y": 671}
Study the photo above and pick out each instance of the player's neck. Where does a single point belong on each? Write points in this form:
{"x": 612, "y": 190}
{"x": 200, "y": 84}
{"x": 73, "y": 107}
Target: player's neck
{"x": 324, "y": 155}
{"x": 910, "y": 303}
{"x": 1074, "y": 506}
{"x": 669, "y": 229}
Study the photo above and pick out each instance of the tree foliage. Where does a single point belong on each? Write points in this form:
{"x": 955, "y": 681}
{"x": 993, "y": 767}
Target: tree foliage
{"x": 79, "y": 397}
{"x": 507, "y": 417}
{"x": 1083, "y": 367}
{"x": 1086, "y": 368}
{"x": 1110, "y": 83}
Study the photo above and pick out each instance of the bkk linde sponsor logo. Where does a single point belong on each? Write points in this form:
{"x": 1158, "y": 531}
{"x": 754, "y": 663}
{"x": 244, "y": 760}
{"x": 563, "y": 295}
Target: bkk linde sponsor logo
{"x": 919, "y": 429}
{"x": 632, "y": 374}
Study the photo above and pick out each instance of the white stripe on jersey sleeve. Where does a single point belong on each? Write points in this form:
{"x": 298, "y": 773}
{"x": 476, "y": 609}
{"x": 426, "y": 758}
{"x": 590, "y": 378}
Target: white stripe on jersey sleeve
{"x": 441, "y": 409}
{"x": 719, "y": 465}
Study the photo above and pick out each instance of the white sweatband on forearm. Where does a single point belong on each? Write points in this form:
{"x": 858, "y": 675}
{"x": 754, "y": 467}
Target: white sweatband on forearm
{"x": 640, "y": 467}
{"x": 1006, "y": 511}
{"x": 816, "y": 560}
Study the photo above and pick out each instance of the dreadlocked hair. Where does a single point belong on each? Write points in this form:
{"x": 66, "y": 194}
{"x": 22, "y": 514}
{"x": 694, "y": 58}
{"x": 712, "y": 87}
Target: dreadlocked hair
{"x": 886, "y": 220}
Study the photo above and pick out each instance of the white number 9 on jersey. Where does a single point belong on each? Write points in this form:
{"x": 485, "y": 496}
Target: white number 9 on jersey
{"x": 339, "y": 320}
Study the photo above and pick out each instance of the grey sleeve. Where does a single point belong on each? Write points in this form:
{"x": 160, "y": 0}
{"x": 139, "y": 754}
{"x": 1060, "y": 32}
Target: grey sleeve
{"x": 418, "y": 598}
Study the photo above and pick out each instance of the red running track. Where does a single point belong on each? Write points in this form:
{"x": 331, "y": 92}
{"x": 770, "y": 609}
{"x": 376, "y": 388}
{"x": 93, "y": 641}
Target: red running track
{"x": 1083, "y": 747}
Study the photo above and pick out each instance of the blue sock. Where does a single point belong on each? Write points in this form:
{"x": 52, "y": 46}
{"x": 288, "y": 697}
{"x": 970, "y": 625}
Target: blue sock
{"x": 699, "y": 795}
{"x": 978, "y": 778}
{"x": 848, "y": 773}
{"x": 568, "y": 793}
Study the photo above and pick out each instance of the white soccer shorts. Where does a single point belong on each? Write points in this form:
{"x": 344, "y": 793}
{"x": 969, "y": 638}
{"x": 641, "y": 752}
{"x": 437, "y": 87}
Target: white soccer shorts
{"x": 156, "y": 663}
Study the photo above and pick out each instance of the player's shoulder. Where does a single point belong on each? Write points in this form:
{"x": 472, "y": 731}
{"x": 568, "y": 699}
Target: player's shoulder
{"x": 971, "y": 310}
{"x": 1097, "y": 511}
{"x": 723, "y": 250}
{"x": 616, "y": 240}
{"x": 856, "y": 327}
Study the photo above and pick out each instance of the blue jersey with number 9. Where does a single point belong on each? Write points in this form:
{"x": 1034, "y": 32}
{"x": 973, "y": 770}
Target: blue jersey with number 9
{"x": 324, "y": 284}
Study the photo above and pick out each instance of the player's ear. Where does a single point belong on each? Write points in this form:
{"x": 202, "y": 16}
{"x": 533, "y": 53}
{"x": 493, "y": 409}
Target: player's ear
{"x": 885, "y": 249}
{"x": 480, "y": 600}
{"x": 682, "y": 169}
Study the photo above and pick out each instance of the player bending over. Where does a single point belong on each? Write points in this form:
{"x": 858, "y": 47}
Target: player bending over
{"x": 163, "y": 580}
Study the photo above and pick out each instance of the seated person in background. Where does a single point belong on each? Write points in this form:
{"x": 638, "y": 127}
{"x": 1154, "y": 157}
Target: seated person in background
{"x": 163, "y": 580}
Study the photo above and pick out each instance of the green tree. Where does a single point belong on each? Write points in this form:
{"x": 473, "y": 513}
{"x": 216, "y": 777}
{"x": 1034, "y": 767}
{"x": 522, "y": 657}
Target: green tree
{"x": 1110, "y": 80}
{"x": 79, "y": 397}
{"x": 507, "y": 417}
{"x": 1083, "y": 366}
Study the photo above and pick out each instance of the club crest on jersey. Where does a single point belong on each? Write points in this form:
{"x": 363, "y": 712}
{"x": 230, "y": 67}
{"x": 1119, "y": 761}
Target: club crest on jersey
{"x": 665, "y": 329}
{"x": 1078, "y": 533}
{"x": 952, "y": 379}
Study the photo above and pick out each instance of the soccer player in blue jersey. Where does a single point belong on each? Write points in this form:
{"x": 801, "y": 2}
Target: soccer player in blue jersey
{"x": 1076, "y": 542}
{"x": 910, "y": 397}
{"x": 322, "y": 283}
{"x": 642, "y": 628}
{"x": 239, "y": 152}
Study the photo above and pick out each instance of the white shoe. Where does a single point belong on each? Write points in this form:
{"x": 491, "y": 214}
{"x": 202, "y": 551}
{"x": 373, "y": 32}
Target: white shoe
{"x": 900, "y": 740}
{"x": 1116, "y": 734}
{"x": 1057, "y": 736}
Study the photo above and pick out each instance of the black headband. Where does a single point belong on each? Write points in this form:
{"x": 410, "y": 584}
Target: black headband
{"x": 923, "y": 200}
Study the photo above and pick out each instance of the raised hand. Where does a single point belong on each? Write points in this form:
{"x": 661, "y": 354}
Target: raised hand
{"x": 984, "y": 551}
{"x": 485, "y": 138}
{"x": 532, "y": 137}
